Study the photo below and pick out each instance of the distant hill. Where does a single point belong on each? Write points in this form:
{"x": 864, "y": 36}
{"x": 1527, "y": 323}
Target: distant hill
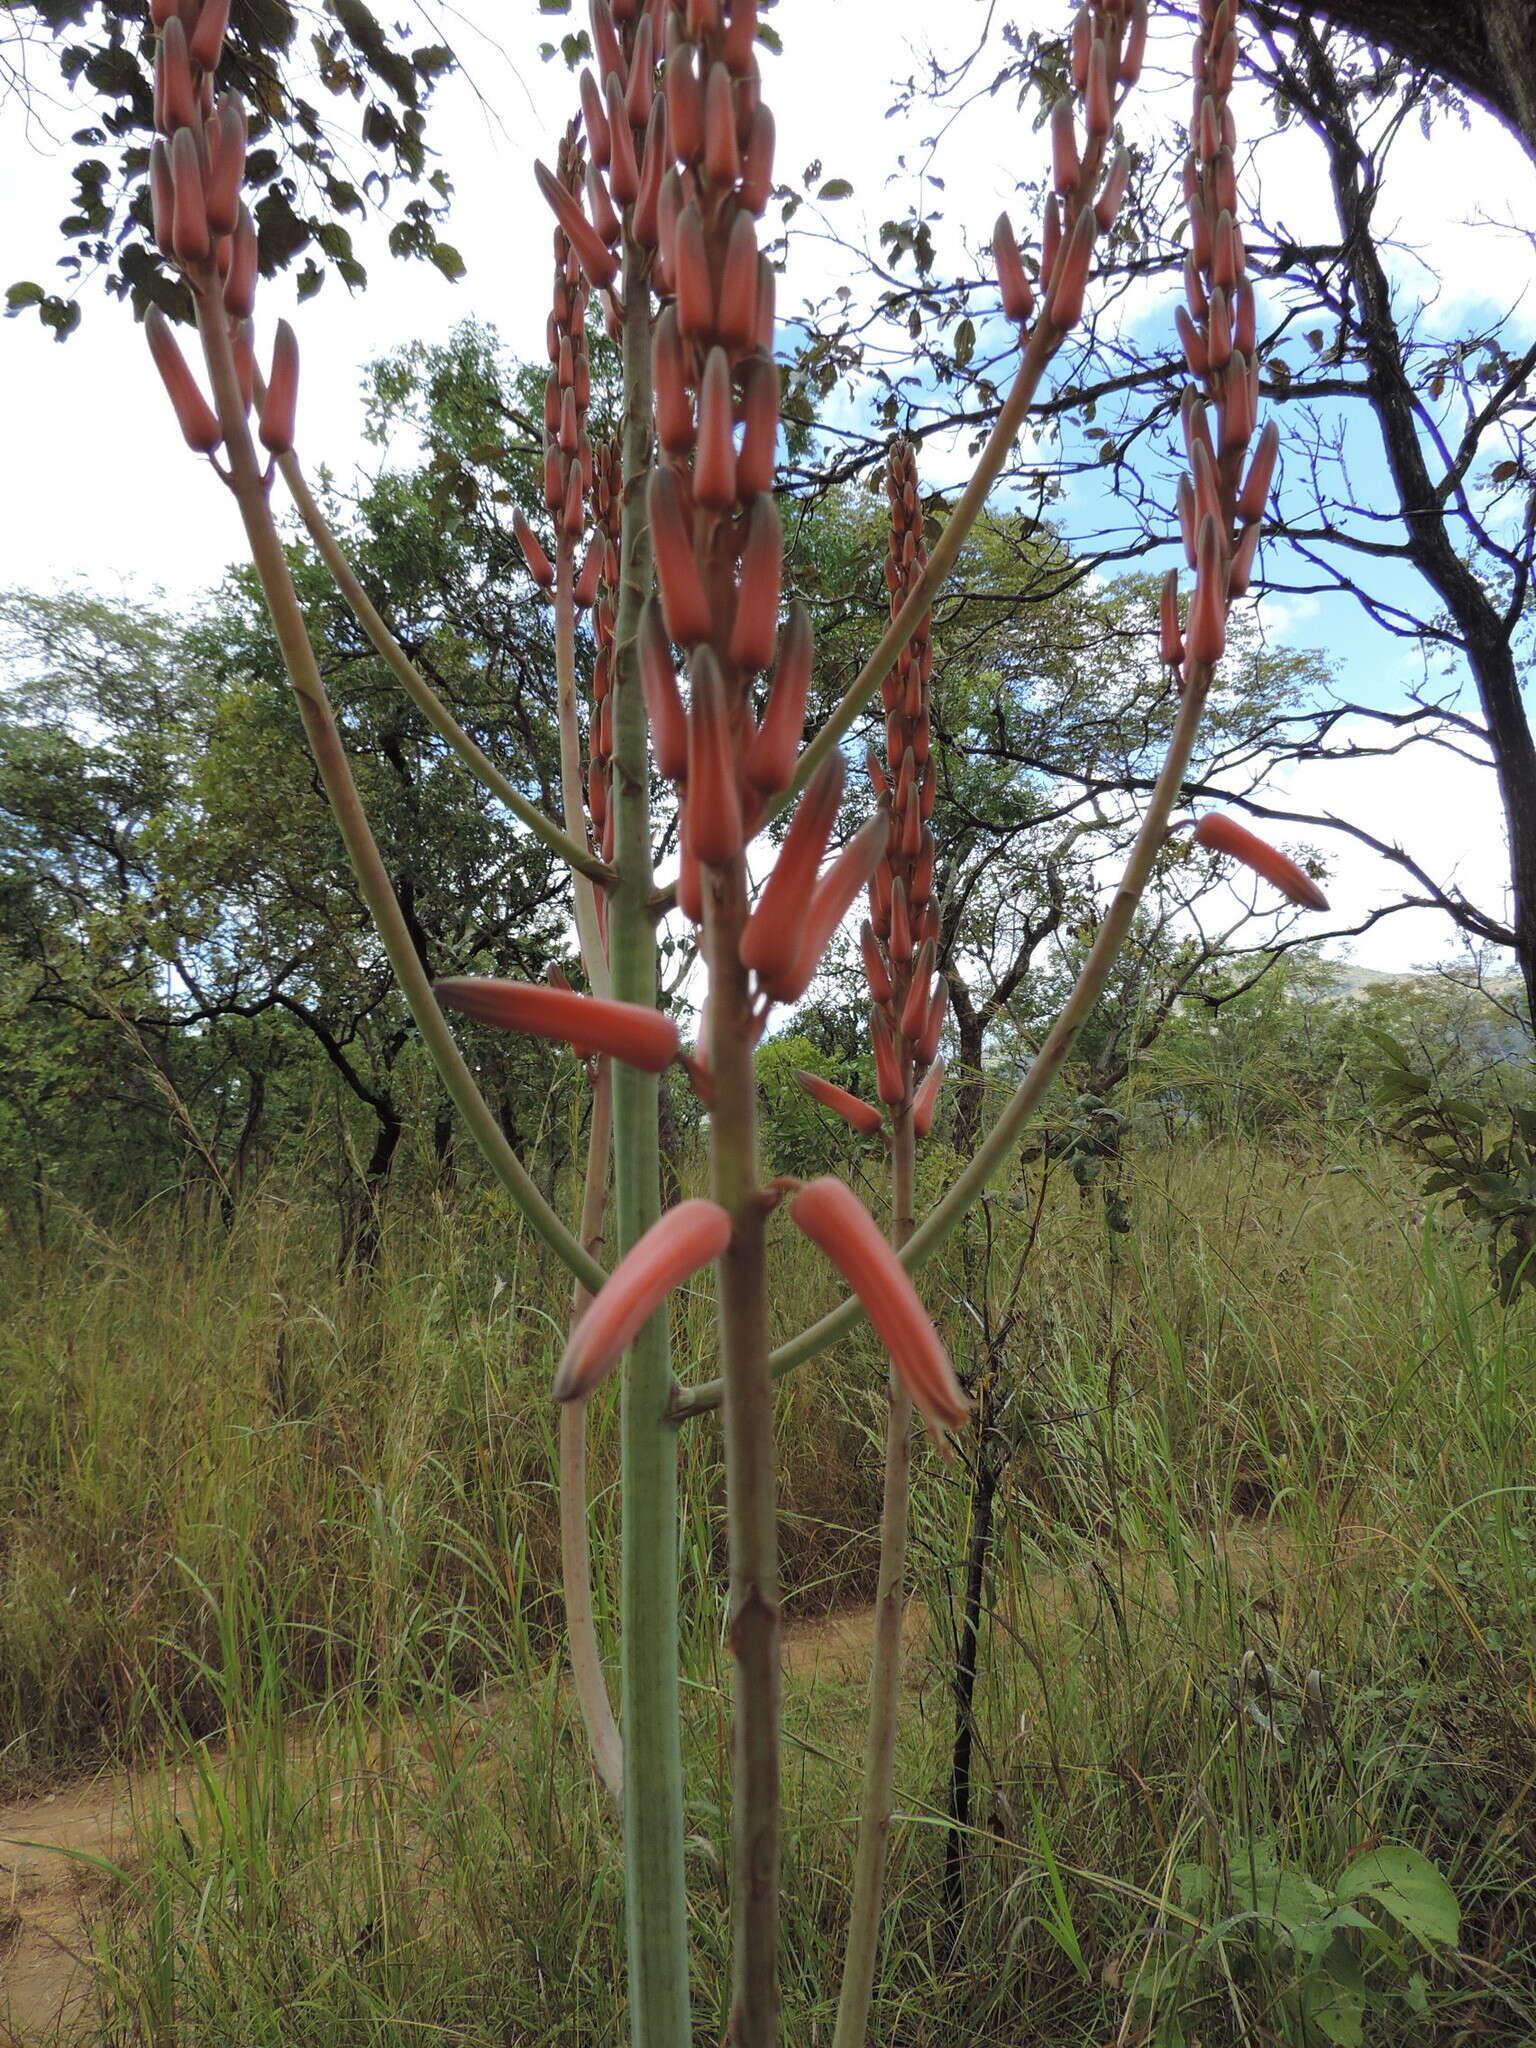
{"x": 1343, "y": 978}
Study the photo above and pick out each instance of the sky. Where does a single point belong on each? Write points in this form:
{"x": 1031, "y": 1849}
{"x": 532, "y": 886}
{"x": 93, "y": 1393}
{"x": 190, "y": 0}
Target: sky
{"x": 104, "y": 492}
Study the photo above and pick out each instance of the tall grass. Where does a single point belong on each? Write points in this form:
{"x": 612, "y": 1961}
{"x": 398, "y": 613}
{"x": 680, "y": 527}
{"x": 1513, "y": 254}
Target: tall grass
{"x": 1261, "y": 1589}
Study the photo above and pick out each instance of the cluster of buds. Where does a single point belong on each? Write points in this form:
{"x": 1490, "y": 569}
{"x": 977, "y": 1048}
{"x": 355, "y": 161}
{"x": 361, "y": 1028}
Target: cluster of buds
{"x": 1222, "y": 494}
{"x": 567, "y": 393}
{"x": 1220, "y": 507}
{"x": 1108, "y": 45}
{"x": 899, "y": 939}
{"x": 203, "y": 227}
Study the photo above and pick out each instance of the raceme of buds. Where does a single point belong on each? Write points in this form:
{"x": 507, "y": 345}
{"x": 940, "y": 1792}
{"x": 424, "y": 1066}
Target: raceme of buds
{"x": 677, "y": 1244}
{"x": 1219, "y": 507}
{"x": 630, "y": 1032}
{"x": 839, "y": 1225}
{"x": 862, "y": 1115}
{"x": 1225, "y": 835}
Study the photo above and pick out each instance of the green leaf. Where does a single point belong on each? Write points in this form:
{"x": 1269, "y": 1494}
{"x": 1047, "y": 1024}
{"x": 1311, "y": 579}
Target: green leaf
{"x": 1409, "y": 1888}
{"x": 24, "y": 294}
{"x": 835, "y": 188}
{"x": 448, "y": 261}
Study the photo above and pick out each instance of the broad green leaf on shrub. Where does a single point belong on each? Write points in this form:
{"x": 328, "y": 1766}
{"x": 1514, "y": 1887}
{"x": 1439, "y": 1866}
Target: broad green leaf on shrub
{"x": 1409, "y": 1888}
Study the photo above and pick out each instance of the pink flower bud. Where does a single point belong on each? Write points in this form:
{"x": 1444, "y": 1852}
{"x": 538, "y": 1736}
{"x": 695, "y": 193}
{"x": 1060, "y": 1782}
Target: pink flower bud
{"x": 1206, "y": 638}
{"x": 630, "y": 1032}
{"x": 207, "y": 39}
{"x": 926, "y": 1100}
{"x": 539, "y": 565}
{"x": 623, "y": 167}
{"x": 685, "y": 106}
{"x": 674, "y": 413}
{"x": 1064, "y": 301}
{"x": 770, "y": 943}
{"x": 739, "y": 310}
{"x": 714, "y": 800}
{"x": 226, "y": 168}
{"x": 914, "y": 1011}
{"x": 1098, "y": 105}
{"x": 1065, "y": 164}
{"x": 1241, "y": 572}
{"x": 646, "y": 219}
{"x": 770, "y": 761}
{"x": 839, "y": 1225}
{"x": 1225, "y": 835}
{"x": 194, "y": 415}
{"x": 848, "y": 875}
{"x": 675, "y": 1247}
{"x": 722, "y": 157}
{"x": 604, "y": 219}
{"x": 641, "y": 87}
{"x": 1196, "y": 354}
{"x": 240, "y": 285}
{"x": 177, "y": 100}
{"x": 890, "y": 1081}
{"x": 683, "y": 598}
{"x": 695, "y": 290}
{"x": 900, "y": 942}
{"x": 862, "y": 1115}
{"x": 714, "y": 464}
{"x": 1017, "y": 293}
{"x": 1107, "y": 205}
{"x": 592, "y": 253}
{"x": 760, "y": 425}
{"x": 876, "y": 972}
{"x": 1134, "y": 52}
{"x": 162, "y": 196}
{"x": 1255, "y": 491}
{"x": 1170, "y": 639}
{"x": 189, "y": 218}
{"x": 757, "y": 163}
{"x": 757, "y": 599}
{"x": 605, "y": 43}
{"x": 938, "y": 1003}
{"x": 281, "y": 403}
{"x": 595, "y": 115}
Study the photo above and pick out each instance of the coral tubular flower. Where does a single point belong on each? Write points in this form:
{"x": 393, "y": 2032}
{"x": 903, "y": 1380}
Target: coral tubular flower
{"x": 926, "y": 1099}
{"x": 770, "y": 943}
{"x": 771, "y": 757}
{"x": 592, "y": 252}
{"x": 630, "y": 1032}
{"x": 862, "y": 1115}
{"x": 663, "y": 703}
{"x": 1225, "y": 835}
{"x": 683, "y": 599}
{"x": 194, "y": 415}
{"x": 1017, "y": 293}
{"x": 281, "y": 402}
{"x": 757, "y": 602}
{"x": 848, "y": 874}
{"x": 714, "y": 801}
{"x": 671, "y": 1251}
{"x": 540, "y": 567}
{"x": 839, "y": 1225}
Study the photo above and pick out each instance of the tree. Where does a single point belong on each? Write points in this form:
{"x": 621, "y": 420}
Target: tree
{"x": 280, "y": 55}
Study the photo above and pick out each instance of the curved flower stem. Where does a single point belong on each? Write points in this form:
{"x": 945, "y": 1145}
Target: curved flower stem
{"x": 578, "y": 858}
{"x": 575, "y": 1545}
{"x": 999, "y": 1142}
{"x": 248, "y": 482}
{"x": 863, "y": 1945}
{"x": 594, "y": 957}
{"x": 655, "y": 1894}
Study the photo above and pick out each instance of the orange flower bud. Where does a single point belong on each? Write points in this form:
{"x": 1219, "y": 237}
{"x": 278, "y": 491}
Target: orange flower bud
{"x": 890, "y": 1081}
{"x": 771, "y": 757}
{"x": 240, "y": 285}
{"x": 714, "y": 465}
{"x": 641, "y": 87}
{"x": 722, "y": 156}
{"x": 646, "y": 219}
{"x": 226, "y": 165}
{"x": 162, "y": 196}
{"x": 760, "y": 425}
{"x": 755, "y": 625}
{"x": 630, "y": 1032}
{"x": 848, "y": 875}
{"x": 683, "y": 598}
{"x": 1206, "y": 637}
{"x": 194, "y": 415}
{"x": 1064, "y": 302}
{"x": 757, "y": 163}
{"x": 926, "y": 1100}
{"x": 663, "y": 701}
{"x": 739, "y": 311}
{"x": 600, "y": 206}
{"x": 674, "y": 413}
{"x": 685, "y": 106}
{"x": 862, "y": 1115}
{"x": 623, "y": 168}
{"x": 1196, "y": 353}
{"x": 839, "y": 1225}
{"x": 875, "y": 971}
{"x": 595, "y": 114}
{"x": 207, "y": 39}
{"x": 677, "y": 1244}
{"x": 1170, "y": 639}
{"x": 1017, "y": 292}
{"x": 938, "y": 1003}
{"x": 914, "y": 1011}
{"x": 876, "y": 772}
{"x": 900, "y": 945}
{"x": 739, "y": 36}
{"x": 605, "y": 43}
{"x": 695, "y": 291}
{"x": 920, "y": 887}
{"x": 539, "y": 566}
{"x": 591, "y": 251}
{"x": 1080, "y": 46}
{"x": 1241, "y": 573}
{"x": 282, "y": 399}
{"x": 1237, "y": 412}
{"x": 714, "y": 800}
{"x": 1225, "y": 835}
{"x": 770, "y": 942}
{"x": 585, "y": 592}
